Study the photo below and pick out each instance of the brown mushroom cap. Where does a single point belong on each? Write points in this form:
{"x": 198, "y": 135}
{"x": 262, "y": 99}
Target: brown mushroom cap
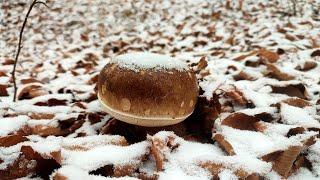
{"x": 136, "y": 91}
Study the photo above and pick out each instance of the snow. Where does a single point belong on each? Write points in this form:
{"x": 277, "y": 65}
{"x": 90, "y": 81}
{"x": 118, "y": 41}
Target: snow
{"x": 145, "y": 60}
{"x": 12, "y": 124}
{"x": 100, "y": 156}
{"x": 297, "y": 116}
{"x": 257, "y": 144}
{"x": 165, "y": 36}
{"x": 314, "y": 157}
{"x": 74, "y": 173}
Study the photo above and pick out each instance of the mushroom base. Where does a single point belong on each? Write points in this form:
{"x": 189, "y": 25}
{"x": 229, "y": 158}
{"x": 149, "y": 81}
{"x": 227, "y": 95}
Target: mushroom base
{"x": 141, "y": 120}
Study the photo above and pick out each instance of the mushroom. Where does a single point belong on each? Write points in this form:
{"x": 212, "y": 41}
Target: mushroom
{"x": 148, "y": 89}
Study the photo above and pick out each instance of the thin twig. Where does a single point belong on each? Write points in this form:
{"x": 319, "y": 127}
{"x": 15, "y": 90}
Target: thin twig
{"x": 20, "y": 46}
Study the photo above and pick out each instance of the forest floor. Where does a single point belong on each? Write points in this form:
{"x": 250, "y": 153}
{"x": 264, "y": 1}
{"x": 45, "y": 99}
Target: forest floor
{"x": 258, "y": 66}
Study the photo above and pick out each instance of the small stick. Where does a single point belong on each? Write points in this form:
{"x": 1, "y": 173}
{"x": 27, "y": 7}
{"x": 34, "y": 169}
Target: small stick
{"x": 20, "y": 46}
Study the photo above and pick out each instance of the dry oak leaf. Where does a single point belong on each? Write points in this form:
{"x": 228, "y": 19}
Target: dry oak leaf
{"x": 284, "y": 163}
{"x": 243, "y": 76}
{"x": 270, "y": 56}
{"x": 159, "y": 148}
{"x": 308, "y": 65}
{"x": 11, "y": 140}
{"x": 277, "y": 74}
{"x": 297, "y": 102}
{"x": 237, "y": 96}
{"x": 241, "y": 57}
{"x": 224, "y": 144}
{"x": 29, "y": 162}
{"x": 3, "y": 90}
{"x": 2, "y": 74}
{"x": 45, "y": 131}
{"x": 202, "y": 64}
{"x": 292, "y": 90}
{"x": 38, "y": 116}
{"x": 315, "y": 53}
{"x": 30, "y": 80}
{"x": 295, "y": 131}
{"x": 215, "y": 168}
{"x": 241, "y": 121}
{"x": 31, "y": 90}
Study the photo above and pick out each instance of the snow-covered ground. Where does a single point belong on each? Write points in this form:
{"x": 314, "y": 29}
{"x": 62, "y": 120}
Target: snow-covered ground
{"x": 261, "y": 63}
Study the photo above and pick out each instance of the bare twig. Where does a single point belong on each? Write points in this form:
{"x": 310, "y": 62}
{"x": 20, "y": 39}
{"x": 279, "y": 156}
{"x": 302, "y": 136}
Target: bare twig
{"x": 34, "y": 2}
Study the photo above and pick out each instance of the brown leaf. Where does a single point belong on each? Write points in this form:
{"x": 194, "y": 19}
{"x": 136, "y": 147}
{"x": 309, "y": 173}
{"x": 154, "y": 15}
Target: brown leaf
{"x": 292, "y": 90}
{"x": 102, "y": 30}
{"x": 2, "y": 74}
{"x": 290, "y": 37}
{"x": 264, "y": 116}
{"x": 94, "y": 118}
{"x": 315, "y": 53}
{"x": 31, "y": 90}
{"x": 38, "y": 116}
{"x": 58, "y": 176}
{"x": 202, "y": 63}
{"x": 295, "y": 131}
{"x": 29, "y": 162}
{"x": 272, "y": 156}
{"x": 308, "y": 65}
{"x": 215, "y": 169}
{"x": 12, "y": 140}
{"x": 237, "y": 96}
{"x": 124, "y": 170}
{"x": 260, "y": 126}
{"x": 272, "y": 57}
{"x": 30, "y": 80}
{"x": 277, "y": 74}
{"x": 297, "y": 102}
{"x": 301, "y": 161}
{"x": 8, "y": 62}
{"x": 91, "y": 57}
{"x": 3, "y": 90}
{"x": 156, "y": 151}
{"x": 240, "y": 121}
{"x": 283, "y": 164}
{"x": 224, "y": 144}
{"x": 80, "y": 105}
{"x": 45, "y": 131}
{"x": 52, "y": 102}
{"x": 93, "y": 80}
{"x": 84, "y": 37}
{"x": 243, "y": 76}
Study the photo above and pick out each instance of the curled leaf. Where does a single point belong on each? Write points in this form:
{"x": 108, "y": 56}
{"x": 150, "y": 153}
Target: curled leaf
{"x": 224, "y": 144}
{"x": 31, "y": 90}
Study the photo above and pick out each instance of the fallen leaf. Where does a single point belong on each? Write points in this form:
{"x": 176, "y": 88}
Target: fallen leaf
{"x": 11, "y": 140}
{"x": 293, "y": 90}
{"x": 277, "y": 74}
{"x": 308, "y": 65}
{"x": 31, "y": 90}
{"x": 3, "y": 90}
{"x": 270, "y": 56}
{"x": 240, "y": 121}
{"x": 315, "y": 53}
{"x": 224, "y": 144}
